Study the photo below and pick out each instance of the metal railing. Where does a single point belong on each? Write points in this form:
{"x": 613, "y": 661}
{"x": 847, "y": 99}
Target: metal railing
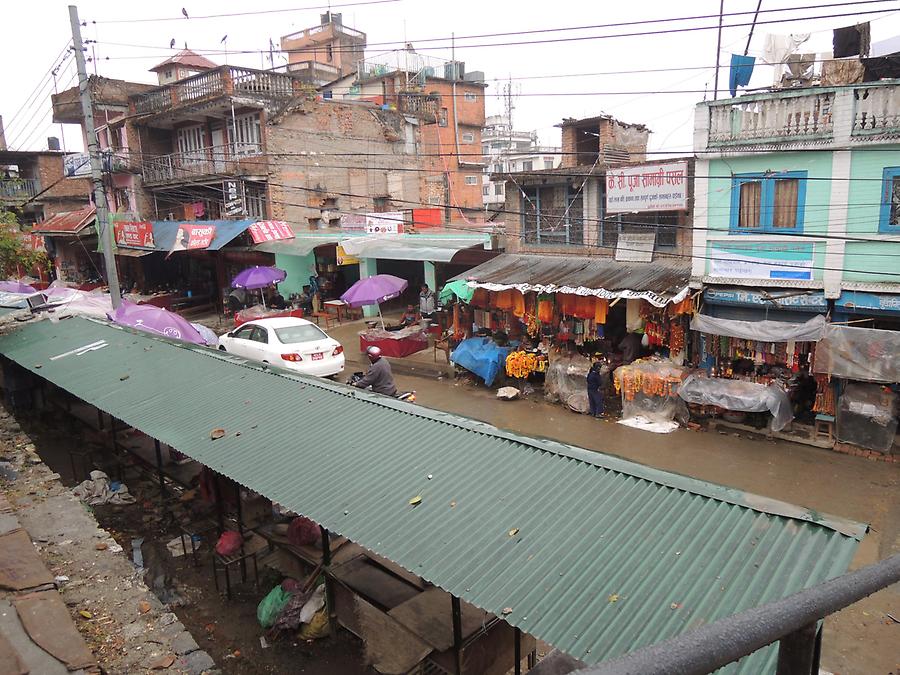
{"x": 216, "y": 160}
{"x": 223, "y": 81}
{"x": 19, "y": 188}
{"x": 790, "y": 621}
{"x": 421, "y": 105}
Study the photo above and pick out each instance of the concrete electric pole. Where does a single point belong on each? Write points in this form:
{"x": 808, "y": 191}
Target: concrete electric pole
{"x": 93, "y": 148}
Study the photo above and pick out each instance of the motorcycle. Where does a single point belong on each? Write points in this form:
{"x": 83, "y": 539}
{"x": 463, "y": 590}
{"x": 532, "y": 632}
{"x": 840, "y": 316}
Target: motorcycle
{"x": 408, "y": 396}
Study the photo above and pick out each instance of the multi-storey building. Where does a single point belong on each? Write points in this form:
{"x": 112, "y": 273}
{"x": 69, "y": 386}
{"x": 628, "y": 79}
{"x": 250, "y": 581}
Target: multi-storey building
{"x": 505, "y": 150}
{"x": 798, "y": 197}
{"x": 449, "y": 104}
{"x": 326, "y": 52}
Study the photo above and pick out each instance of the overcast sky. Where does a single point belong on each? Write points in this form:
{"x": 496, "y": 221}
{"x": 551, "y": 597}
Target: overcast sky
{"x": 37, "y": 32}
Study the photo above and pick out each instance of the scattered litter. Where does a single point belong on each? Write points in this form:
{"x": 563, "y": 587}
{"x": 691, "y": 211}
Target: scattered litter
{"x": 642, "y": 423}
{"x": 124, "y": 377}
{"x": 162, "y": 662}
{"x": 143, "y": 606}
{"x": 893, "y": 618}
{"x": 506, "y": 611}
{"x": 429, "y": 476}
{"x": 453, "y": 505}
{"x": 85, "y": 614}
{"x": 675, "y": 605}
{"x": 97, "y": 490}
{"x": 114, "y": 548}
{"x": 61, "y": 579}
{"x": 415, "y": 501}
{"x": 262, "y": 642}
{"x": 176, "y": 547}
{"x": 136, "y": 554}
{"x": 513, "y": 532}
{"x": 101, "y": 546}
{"x": 613, "y": 598}
{"x": 216, "y": 434}
{"x": 507, "y": 393}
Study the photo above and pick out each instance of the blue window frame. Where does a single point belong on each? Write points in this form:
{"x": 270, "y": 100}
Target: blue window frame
{"x": 889, "y": 221}
{"x": 768, "y": 202}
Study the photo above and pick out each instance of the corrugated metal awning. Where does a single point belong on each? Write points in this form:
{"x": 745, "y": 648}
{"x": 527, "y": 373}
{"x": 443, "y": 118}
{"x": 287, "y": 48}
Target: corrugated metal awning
{"x": 70, "y": 223}
{"x": 410, "y": 247}
{"x": 656, "y": 282}
{"x": 585, "y": 551}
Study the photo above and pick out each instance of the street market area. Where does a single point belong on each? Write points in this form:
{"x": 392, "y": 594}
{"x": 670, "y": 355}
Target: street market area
{"x": 407, "y": 527}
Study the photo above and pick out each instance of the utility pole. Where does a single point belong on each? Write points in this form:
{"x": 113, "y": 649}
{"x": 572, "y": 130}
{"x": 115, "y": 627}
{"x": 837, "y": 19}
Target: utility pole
{"x": 93, "y": 148}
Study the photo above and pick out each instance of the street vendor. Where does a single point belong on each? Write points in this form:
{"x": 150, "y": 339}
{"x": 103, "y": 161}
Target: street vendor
{"x": 597, "y": 382}
{"x": 379, "y": 375}
{"x": 427, "y": 302}
{"x": 409, "y": 317}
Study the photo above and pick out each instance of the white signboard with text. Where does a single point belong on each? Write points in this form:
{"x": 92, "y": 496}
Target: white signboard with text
{"x": 389, "y": 222}
{"x": 648, "y": 187}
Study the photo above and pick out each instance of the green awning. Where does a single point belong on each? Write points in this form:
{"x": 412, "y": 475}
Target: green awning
{"x": 541, "y": 533}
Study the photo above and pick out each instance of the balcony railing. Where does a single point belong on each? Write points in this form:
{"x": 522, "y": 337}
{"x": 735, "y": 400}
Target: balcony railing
{"x": 237, "y": 159}
{"x": 420, "y": 105}
{"x": 19, "y": 188}
{"x": 223, "y": 81}
{"x": 876, "y": 110}
{"x": 772, "y": 118}
{"x": 872, "y": 110}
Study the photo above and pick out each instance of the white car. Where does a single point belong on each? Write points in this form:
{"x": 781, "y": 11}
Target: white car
{"x": 296, "y": 344}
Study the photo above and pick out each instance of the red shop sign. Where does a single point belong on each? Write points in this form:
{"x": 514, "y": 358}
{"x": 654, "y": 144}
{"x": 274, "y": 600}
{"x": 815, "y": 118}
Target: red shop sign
{"x": 270, "y": 230}
{"x": 132, "y": 234}
{"x": 191, "y": 237}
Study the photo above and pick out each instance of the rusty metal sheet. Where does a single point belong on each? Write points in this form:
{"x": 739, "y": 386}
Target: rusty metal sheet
{"x": 49, "y": 624}
{"x": 20, "y": 566}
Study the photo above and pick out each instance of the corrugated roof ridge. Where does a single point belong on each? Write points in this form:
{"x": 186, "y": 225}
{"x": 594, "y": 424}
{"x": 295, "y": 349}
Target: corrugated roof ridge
{"x": 669, "y": 479}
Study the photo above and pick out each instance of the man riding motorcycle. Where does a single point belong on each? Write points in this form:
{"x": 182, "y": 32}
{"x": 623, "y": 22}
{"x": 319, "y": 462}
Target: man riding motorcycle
{"x": 379, "y": 375}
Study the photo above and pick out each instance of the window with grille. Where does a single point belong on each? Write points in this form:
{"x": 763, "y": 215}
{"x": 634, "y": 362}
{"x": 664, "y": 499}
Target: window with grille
{"x": 255, "y": 201}
{"x": 471, "y": 180}
{"x": 470, "y": 97}
{"x": 768, "y": 202}
{"x": 889, "y": 221}
{"x": 468, "y": 137}
{"x": 247, "y": 135}
{"x": 498, "y": 188}
{"x": 553, "y": 215}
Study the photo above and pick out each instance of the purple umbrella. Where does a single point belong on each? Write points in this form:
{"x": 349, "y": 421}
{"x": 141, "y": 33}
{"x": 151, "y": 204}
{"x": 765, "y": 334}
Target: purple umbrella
{"x": 16, "y": 287}
{"x": 374, "y": 290}
{"x": 156, "y": 320}
{"x": 258, "y": 277}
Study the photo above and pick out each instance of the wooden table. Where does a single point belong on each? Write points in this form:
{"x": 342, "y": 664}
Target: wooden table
{"x": 341, "y": 309}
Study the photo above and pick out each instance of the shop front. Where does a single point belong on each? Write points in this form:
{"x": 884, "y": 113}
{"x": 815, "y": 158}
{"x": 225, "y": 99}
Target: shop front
{"x": 71, "y": 243}
{"x": 549, "y": 318}
{"x": 182, "y": 265}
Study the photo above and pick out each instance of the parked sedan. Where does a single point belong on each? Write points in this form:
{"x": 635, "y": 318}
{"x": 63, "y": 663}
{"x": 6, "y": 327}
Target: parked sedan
{"x": 288, "y": 342}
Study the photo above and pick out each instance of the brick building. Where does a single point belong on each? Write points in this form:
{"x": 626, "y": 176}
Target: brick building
{"x": 34, "y": 184}
{"x": 326, "y": 52}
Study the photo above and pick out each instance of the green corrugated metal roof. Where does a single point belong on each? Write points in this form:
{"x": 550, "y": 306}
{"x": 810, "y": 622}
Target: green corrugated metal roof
{"x": 605, "y": 548}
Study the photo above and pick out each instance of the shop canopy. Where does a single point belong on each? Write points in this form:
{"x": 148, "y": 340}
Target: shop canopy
{"x": 591, "y": 553}
{"x": 410, "y": 247}
{"x": 761, "y": 331}
{"x": 68, "y": 224}
{"x": 165, "y": 231}
{"x": 300, "y": 245}
{"x": 656, "y": 282}
{"x": 859, "y": 354}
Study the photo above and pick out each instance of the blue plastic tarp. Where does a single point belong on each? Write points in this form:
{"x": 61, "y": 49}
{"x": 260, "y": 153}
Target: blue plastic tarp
{"x": 480, "y": 356}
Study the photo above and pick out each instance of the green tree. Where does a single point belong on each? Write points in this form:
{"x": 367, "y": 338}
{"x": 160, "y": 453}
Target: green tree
{"x": 16, "y": 258}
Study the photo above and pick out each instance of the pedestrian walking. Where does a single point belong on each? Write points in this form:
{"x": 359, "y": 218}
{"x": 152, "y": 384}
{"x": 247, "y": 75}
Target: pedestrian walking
{"x": 595, "y": 388}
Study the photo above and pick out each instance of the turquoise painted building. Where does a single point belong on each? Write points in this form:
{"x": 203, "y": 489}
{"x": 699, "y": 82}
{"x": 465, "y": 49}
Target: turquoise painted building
{"x": 798, "y": 192}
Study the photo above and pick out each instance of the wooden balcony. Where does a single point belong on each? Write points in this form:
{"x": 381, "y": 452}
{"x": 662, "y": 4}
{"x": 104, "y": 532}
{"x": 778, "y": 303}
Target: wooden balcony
{"x": 423, "y": 106}
{"x": 221, "y": 82}
{"x": 241, "y": 159}
{"x": 16, "y": 189}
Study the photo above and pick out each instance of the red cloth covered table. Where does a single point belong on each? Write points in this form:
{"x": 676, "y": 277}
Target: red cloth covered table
{"x": 396, "y": 348}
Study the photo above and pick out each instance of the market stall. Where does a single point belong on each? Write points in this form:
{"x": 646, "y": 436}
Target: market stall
{"x": 862, "y": 365}
{"x": 739, "y": 395}
{"x": 649, "y": 390}
{"x": 394, "y": 343}
{"x": 481, "y": 356}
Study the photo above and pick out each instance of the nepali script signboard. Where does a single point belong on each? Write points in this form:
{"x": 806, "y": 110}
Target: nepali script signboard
{"x": 132, "y": 234}
{"x": 270, "y": 230}
{"x": 191, "y": 237}
{"x": 648, "y": 187}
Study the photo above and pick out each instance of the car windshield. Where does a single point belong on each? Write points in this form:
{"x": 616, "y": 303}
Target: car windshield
{"x": 294, "y": 334}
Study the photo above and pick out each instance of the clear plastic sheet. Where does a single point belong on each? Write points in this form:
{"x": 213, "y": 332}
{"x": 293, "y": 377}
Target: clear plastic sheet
{"x": 859, "y": 354}
{"x": 867, "y": 416}
{"x": 566, "y": 381}
{"x": 739, "y": 395}
{"x": 658, "y": 401}
{"x": 761, "y": 331}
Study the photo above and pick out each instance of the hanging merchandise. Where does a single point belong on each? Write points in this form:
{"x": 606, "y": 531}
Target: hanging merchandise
{"x": 521, "y": 364}
{"x": 676, "y": 337}
{"x": 481, "y": 298}
{"x": 545, "y": 309}
{"x": 518, "y": 304}
{"x": 567, "y": 303}
{"x": 503, "y": 299}
{"x": 633, "y": 321}
{"x": 601, "y": 308}
{"x": 825, "y": 403}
